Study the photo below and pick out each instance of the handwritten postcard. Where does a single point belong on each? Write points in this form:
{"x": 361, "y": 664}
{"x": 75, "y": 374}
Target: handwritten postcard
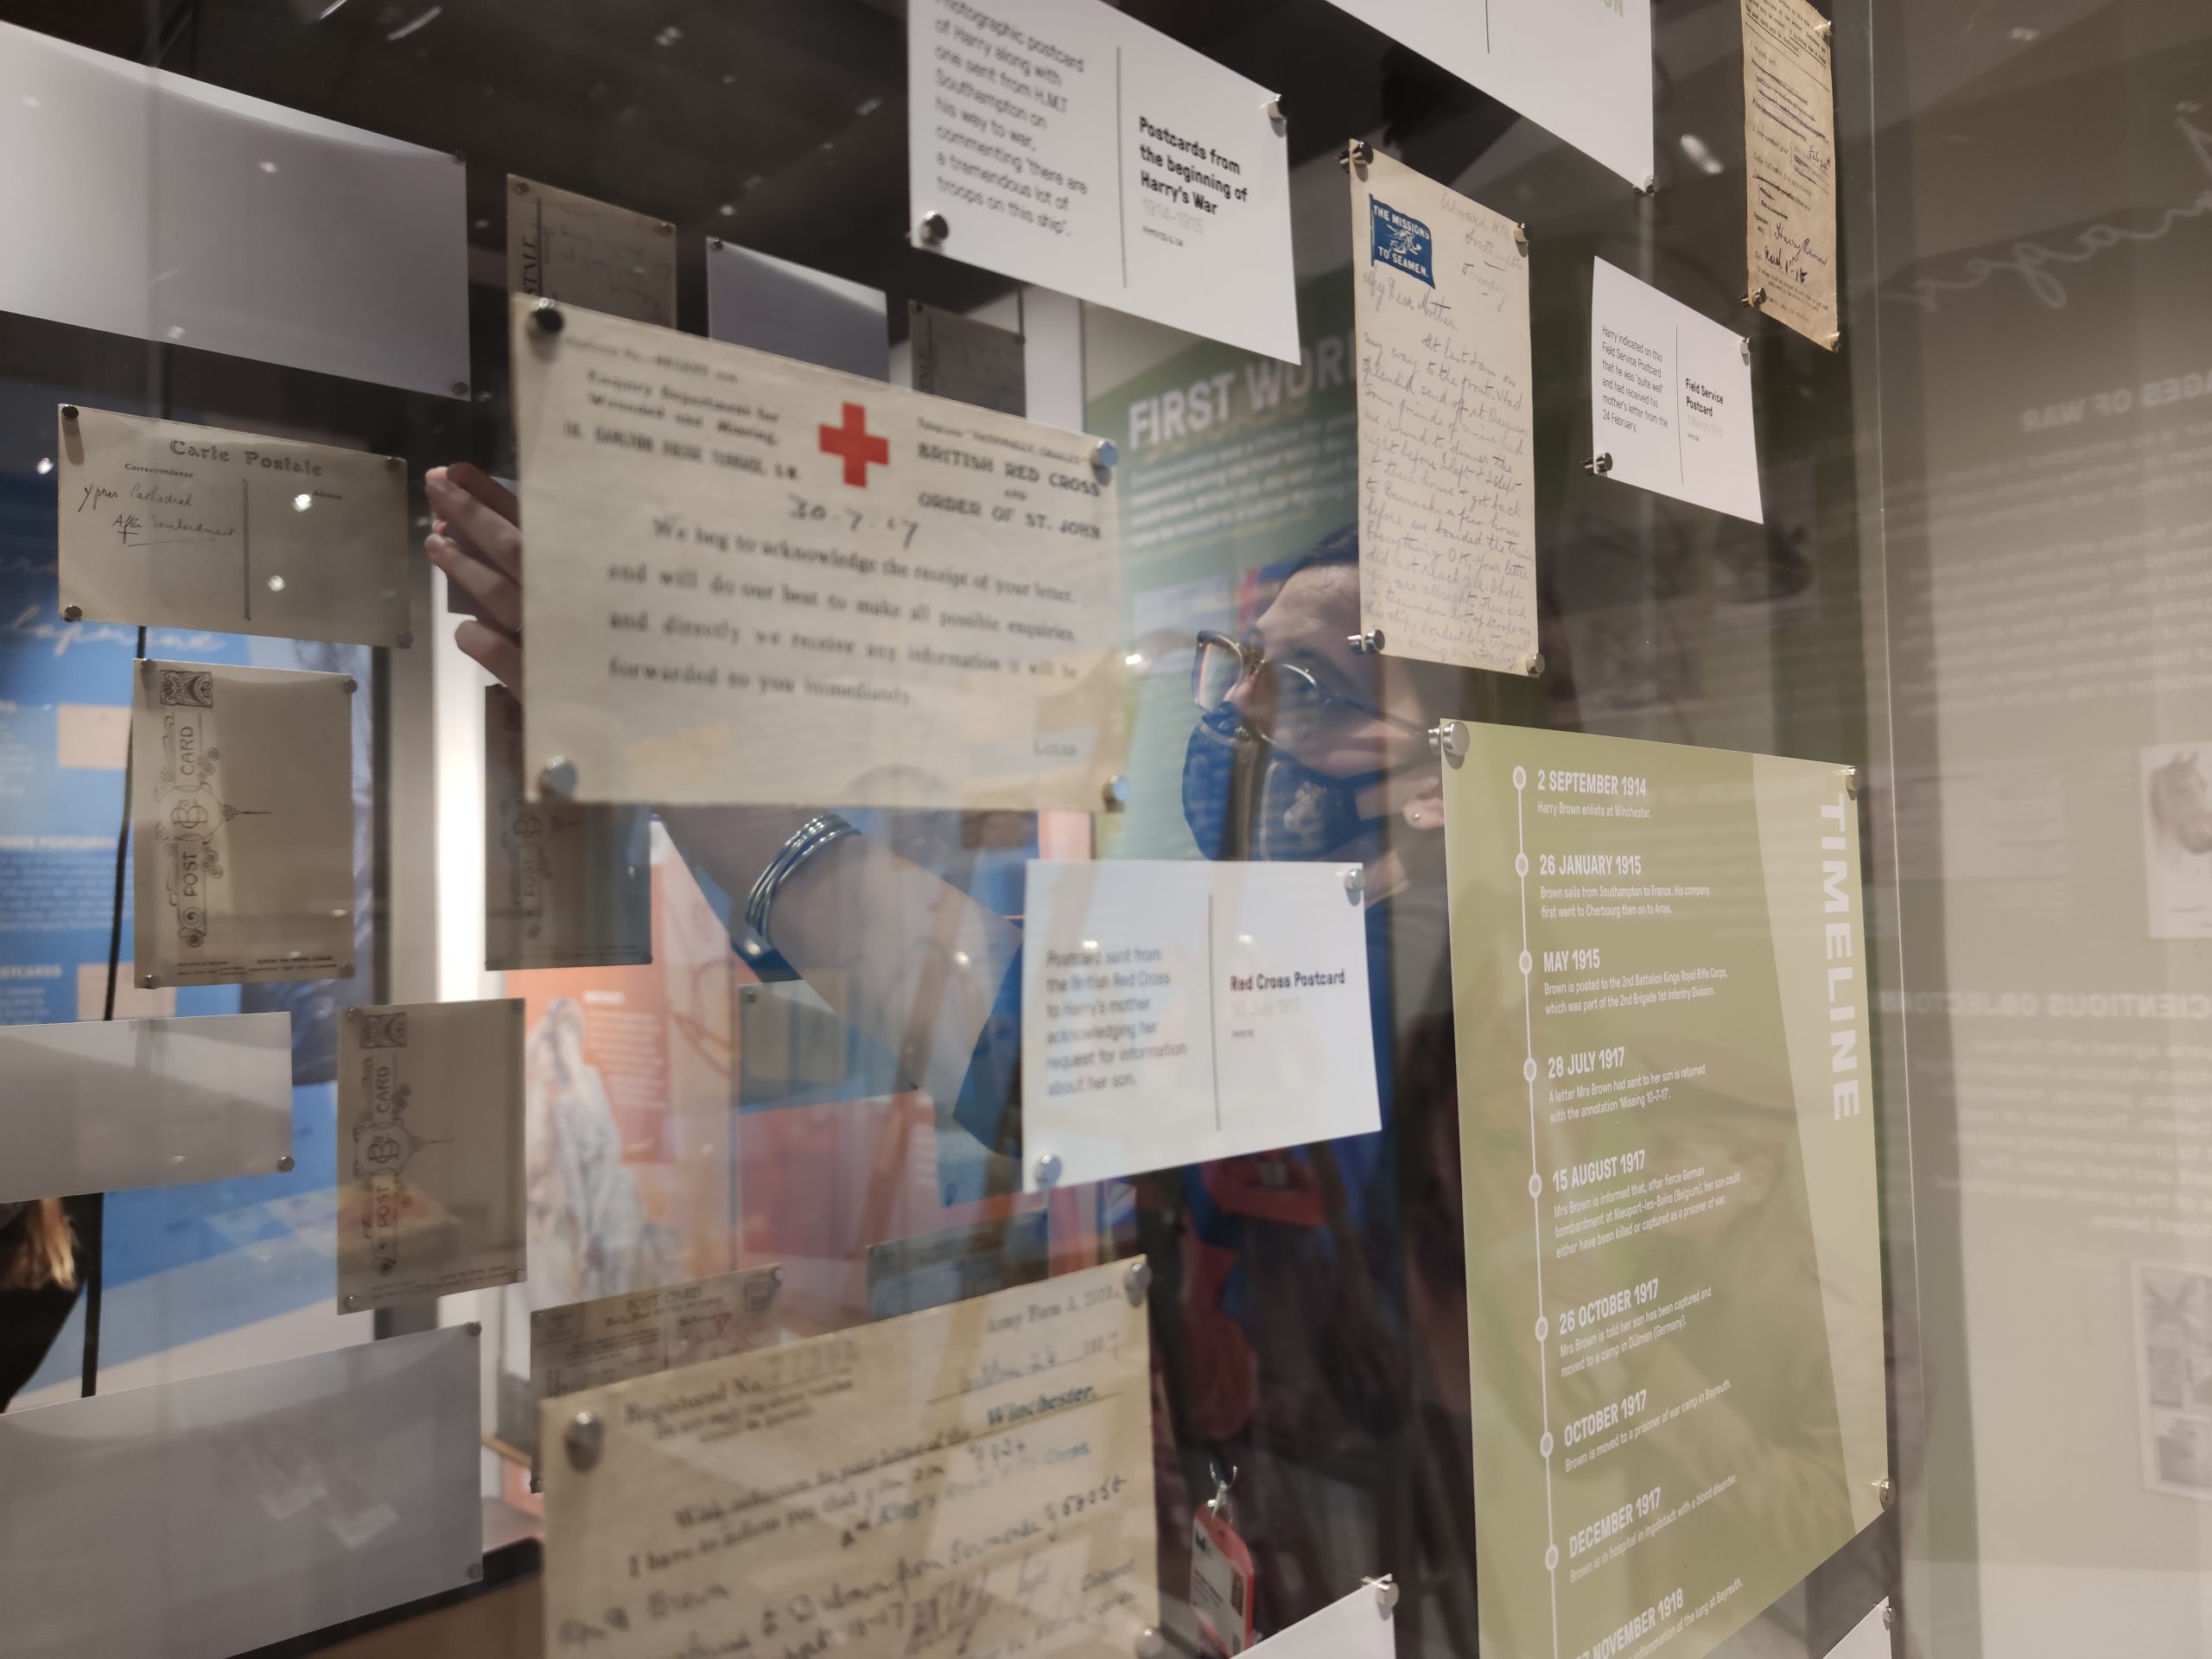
{"x": 754, "y": 582}
{"x": 429, "y": 1151}
{"x": 565, "y": 885}
{"x": 564, "y": 246}
{"x": 968, "y": 361}
{"x": 1448, "y": 468}
{"x": 193, "y": 527}
{"x": 242, "y": 824}
{"x": 1670, "y": 397}
{"x": 973, "y": 1480}
{"x": 1176, "y": 1012}
{"x": 1789, "y": 171}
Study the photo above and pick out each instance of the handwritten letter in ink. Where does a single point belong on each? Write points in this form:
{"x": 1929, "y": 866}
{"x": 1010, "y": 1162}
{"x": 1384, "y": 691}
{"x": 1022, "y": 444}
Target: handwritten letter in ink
{"x": 193, "y": 527}
{"x": 1789, "y": 155}
{"x": 975, "y": 1481}
{"x": 1447, "y": 524}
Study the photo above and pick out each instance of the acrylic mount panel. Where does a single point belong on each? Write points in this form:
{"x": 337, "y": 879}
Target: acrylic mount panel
{"x": 103, "y": 1106}
{"x": 242, "y": 824}
{"x": 773, "y": 305}
{"x": 429, "y": 1151}
{"x": 151, "y": 205}
{"x": 195, "y": 527}
{"x": 211, "y": 1516}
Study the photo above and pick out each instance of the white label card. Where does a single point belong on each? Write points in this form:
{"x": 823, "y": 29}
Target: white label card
{"x": 756, "y": 581}
{"x": 1447, "y": 452}
{"x": 1172, "y": 1012}
{"x": 100, "y": 1106}
{"x": 278, "y": 1499}
{"x": 643, "y": 1333}
{"x": 193, "y": 527}
{"x": 1358, "y": 1627}
{"x": 1670, "y": 397}
{"x": 168, "y": 209}
{"x": 774, "y": 305}
{"x": 242, "y": 824}
{"x": 1064, "y": 143}
{"x": 1789, "y": 165}
{"x": 566, "y": 885}
{"x": 564, "y": 246}
{"x": 1869, "y": 1637}
{"x": 429, "y": 1151}
{"x": 976, "y": 1479}
{"x": 1582, "y": 68}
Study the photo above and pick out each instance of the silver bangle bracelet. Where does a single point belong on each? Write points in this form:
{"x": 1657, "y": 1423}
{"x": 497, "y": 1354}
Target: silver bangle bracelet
{"x": 813, "y": 836}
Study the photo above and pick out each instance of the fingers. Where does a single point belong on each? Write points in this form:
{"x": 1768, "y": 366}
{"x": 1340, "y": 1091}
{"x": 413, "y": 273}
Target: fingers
{"x": 497, "y": 596}
{"x": 474, "y": 524}
{"x": 500, "y": 653}
{"x": 486, "y": 489}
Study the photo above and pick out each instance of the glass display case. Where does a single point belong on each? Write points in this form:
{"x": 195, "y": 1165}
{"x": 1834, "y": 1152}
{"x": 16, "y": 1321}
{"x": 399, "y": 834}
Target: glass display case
{"x": 941, "y": 828}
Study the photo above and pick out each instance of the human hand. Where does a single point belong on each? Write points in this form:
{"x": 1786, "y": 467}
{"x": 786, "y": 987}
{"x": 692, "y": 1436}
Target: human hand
{"x": 476, "y": 540}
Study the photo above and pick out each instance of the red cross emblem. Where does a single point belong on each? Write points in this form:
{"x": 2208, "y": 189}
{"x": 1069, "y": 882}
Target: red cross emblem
{"x": 857, "y": 445}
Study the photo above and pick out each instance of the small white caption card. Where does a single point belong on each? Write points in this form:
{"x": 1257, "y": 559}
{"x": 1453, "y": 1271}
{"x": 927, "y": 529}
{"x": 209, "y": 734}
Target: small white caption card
{"x": 774, "y": 305}
{"x": 975, "y": 1479}
{"x": 1447, "y": 453}
{"x": 241, "y": 824}
{"x": 1177, "y": 1012}
{"x": 1581, "y": 70}
{"x": 1062, "y": 142}
{"x": 1789, "y": 165}
{"x": 1670, "y": 397}
{"x": 565, "y": 885}
{"x": 429, "y": 1151}
{"x": 193, "y": 527}
{"x": 755, "y": 582}
{"x": 564, "y": 246}
{"x": 642, "y": 1333}
{"x": 1358, "y": 1627}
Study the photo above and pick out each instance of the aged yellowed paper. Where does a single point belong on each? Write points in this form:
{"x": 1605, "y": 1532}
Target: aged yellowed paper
{"x": 975, "y": 1480}
{"x": 242, "y": 824}
{"x": 757, "y": 581}
{"x": 429, "y": 1151}
{"x": 1447, "y": 471}
{"x": 643, "y": 1333}
{"x": 195, "y": 527}
{"x": 564, "y": 246}
{"x": 1789, "y": 165}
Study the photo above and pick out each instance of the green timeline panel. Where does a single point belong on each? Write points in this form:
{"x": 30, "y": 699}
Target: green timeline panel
{"x": 1668, "y": 1137}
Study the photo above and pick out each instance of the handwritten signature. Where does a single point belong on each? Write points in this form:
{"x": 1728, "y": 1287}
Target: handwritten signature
{"x": 2030, "y": 261}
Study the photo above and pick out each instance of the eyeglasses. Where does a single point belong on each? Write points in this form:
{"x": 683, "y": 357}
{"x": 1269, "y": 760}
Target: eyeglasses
{"x": 1286, "y": 703}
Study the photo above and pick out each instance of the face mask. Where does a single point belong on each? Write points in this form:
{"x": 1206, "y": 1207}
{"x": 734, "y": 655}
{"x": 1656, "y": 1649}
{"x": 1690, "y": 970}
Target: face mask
{"x": 1244, "y": 799}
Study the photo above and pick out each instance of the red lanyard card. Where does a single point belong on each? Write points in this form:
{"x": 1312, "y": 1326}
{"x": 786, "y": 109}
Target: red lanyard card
{"x": 1221, "y": 1583}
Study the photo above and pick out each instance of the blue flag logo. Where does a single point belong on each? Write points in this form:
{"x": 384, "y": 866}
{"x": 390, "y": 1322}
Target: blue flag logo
{"x": 1400, "y": 242}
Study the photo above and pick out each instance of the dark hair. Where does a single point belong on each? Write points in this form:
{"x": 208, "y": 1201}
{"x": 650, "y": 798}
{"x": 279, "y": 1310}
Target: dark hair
{"x": 1438, "y": 689}
{"x": 1339, "y": 546}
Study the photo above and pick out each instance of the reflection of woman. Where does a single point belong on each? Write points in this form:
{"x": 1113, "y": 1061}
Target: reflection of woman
{"x": 38, "y": 1287}
{"x": 589, "y": 1235}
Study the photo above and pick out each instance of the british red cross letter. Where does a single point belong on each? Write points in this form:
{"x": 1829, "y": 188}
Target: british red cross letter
{"x": 853, "y": 442}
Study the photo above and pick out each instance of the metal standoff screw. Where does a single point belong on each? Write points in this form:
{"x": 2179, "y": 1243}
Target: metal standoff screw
{"x": 149, "y": 980}
{"x": 404, "y": 639}
{"x": 1048, "y": 1169}
{"x": 559, "y": 777}
{"x": 1116, "y": 792}
{"x": 1449, "y": 737}
{"x": 73, "y": 612}
{"x": 461, "y": 156}
{"x": 1150, "y": 1644}
{"x": 68, "y": 411}
{"x": 1756, "y": 298}
{"x": 1386, "y": 1594}
{"x": 1358, "y": 153}
{"x": 1850, "y": 782}
{"x": 352, "y": 1302}
{"x": 475, "y": 1572}
{"x": 522, "y": 187}
{"x": 545, "y": 316}
{"x": 1520, "y": 237}
{"x": 1824, "y": 30}
{"x": 1888, "y": 1490}
{"x": 537, "y": 1483}
{"x": 393, "y": 463}
{"x": 1533, "y": 664}
{"x": 583, "y": 1438}
{"x": 1599, "y": 464}
{"x": 460, "y": 388}
{"x": 1889, "y": 1616}
{"x": 1649, "y": 186}
{"x": 1137, "y": 1282}
{"x": 667, "y": 229}
{"x": 933, "y": 228}
{"x": 1370, "y": 643}
{"x": 284, "y": 1165}
{"x": 1277, "y": 108}
{"x": 1744, "y": 341}
{"x": 1355, "y": 878}
{"x": 1835, "y": 342}
{"x": 474, "y": 1327}
{"x": 1104, "y": 454}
